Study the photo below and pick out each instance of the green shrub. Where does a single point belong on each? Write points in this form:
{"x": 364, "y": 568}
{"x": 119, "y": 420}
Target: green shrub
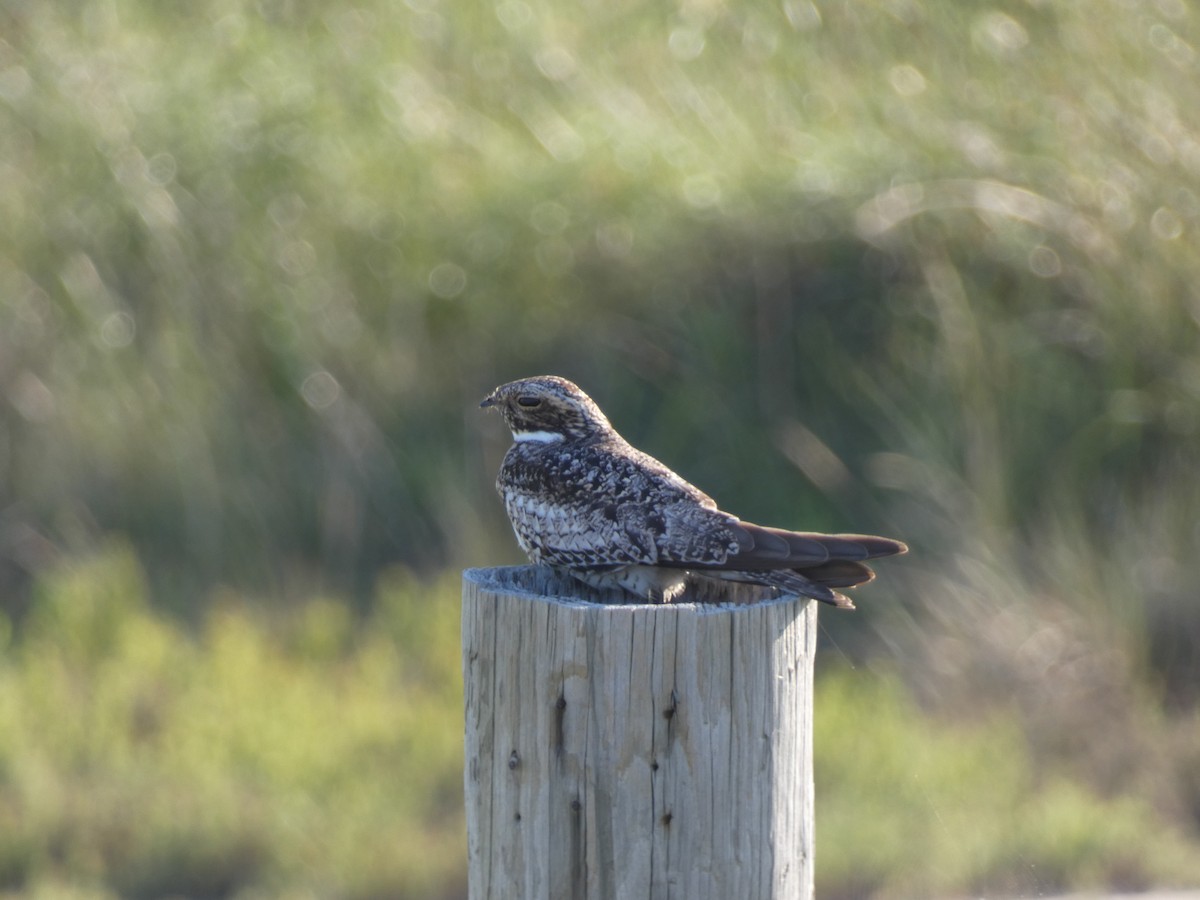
{"x": 911, "y": 805}
{"x": 143, "y": 759}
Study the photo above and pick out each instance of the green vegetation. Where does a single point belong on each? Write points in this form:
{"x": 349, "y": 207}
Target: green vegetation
{"x": 910, "y": 810}
{"x": 926, "y": 269}
{"x": 317, "y": 757}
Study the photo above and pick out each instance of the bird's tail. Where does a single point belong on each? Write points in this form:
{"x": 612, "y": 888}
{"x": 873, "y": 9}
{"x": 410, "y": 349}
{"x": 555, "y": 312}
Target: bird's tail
{"x": 807, "y": 563}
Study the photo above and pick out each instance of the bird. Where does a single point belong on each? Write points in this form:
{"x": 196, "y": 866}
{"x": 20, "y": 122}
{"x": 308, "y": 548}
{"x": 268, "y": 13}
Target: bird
{"x": 583, "y": 500}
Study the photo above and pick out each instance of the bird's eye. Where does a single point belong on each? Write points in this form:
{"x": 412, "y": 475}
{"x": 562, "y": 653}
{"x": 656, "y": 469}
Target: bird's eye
{"x": 529, "y": 402}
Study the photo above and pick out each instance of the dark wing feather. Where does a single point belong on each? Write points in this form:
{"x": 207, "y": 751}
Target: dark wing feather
{"x": 804, "y": 563}
{"x": 874, "y": 545}
{"x": 839, "y": 573}
{"x": 762, "y": 548}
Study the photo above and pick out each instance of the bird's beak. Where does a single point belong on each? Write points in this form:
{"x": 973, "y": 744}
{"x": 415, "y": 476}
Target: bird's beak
{"x": 489, "y": 400}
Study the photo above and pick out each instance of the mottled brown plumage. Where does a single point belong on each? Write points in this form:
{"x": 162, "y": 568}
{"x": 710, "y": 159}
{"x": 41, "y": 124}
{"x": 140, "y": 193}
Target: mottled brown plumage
{"x": 582, "y": 499}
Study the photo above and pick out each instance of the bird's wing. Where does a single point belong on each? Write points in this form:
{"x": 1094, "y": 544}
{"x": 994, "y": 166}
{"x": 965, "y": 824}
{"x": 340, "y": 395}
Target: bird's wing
{"x": 594, "y": 508}
{"x": 775, "y": 548}
{"x": 804, "y": 563}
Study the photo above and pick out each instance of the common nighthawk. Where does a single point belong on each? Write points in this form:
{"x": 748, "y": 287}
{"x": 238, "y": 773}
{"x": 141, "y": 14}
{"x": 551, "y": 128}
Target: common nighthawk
{"x": 581, "y": 499}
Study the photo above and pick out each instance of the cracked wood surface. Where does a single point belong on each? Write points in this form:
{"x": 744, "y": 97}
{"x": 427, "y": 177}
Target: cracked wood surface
{"x": 629, "y": 751}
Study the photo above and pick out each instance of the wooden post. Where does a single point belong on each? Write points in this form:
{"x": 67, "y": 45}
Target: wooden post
{"x": 629, "y": 751}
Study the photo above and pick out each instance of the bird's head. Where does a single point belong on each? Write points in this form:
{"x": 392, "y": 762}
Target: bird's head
{"x": 548, "y": 409}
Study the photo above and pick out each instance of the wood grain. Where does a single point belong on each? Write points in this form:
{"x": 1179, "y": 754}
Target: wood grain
{"x": 624, "y": 751}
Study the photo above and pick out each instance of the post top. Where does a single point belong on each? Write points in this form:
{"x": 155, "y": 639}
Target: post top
{"x": 545, "y": 583}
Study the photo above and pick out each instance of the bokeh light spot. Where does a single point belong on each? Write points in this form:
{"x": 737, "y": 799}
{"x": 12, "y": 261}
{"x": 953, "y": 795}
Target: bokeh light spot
{"x": 615, "y": 239}
{"x": 31, "y": 398}
{"x": 161, "y": 168}
{"x": 320, "y": 390}
{"x": 447, "y": 280}
{"x": 118, "y": 330}
{"x": 686, "y": 43}
{"x": 550, "y": 217}
{"x": 906, "y": 80}
{"x": 1001, "y": 34}
{"x": 1044, "y": 262}
{"x": 1165, "y": 224}
{"x": 491, "y": 65}
{"x": 297, "y": 258}
{"x": 701, "y": 191}
{"x": 802, "y": 15}
{"x": 487, "y": 243}
{"x": 513, "y": 14}
{"x": 555, "y": 63}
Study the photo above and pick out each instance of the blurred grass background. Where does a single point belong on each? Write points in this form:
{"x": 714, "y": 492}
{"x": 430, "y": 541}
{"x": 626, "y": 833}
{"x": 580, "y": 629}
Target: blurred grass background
{"x": 923, "y": 269}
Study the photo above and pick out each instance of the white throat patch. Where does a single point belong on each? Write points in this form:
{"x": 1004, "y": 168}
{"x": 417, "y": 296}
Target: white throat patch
{"x": 541, "y": 437}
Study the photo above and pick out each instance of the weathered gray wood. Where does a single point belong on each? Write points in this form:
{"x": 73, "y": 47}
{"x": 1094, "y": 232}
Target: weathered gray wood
{"x": 630, "y": 751}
